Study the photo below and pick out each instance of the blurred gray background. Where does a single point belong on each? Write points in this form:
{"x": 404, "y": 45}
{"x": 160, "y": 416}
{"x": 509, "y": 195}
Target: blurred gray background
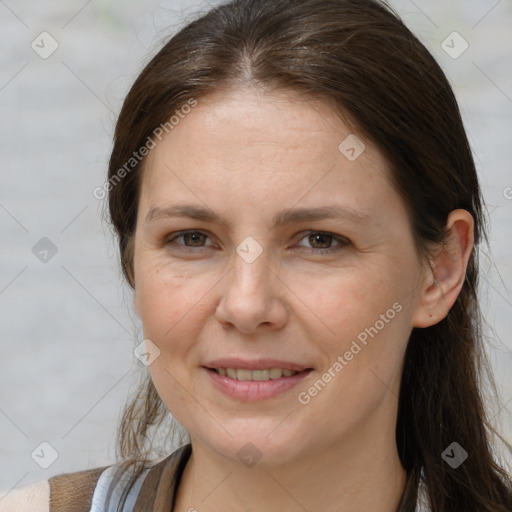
{"x": 67, "y": 328}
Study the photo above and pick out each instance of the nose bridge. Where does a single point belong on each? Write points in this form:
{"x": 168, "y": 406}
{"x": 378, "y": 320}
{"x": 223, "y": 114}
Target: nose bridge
{"x": 249, "y": 296}
{"x": 250, "y": 266}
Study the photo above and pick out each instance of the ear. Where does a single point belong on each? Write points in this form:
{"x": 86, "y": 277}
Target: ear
{"x": 443, "y": 281}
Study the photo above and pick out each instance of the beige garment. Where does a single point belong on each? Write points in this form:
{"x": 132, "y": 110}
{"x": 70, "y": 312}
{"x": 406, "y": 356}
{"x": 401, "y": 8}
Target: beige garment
{"x": 31, "y": 498}
{"x": 70, "y": 492}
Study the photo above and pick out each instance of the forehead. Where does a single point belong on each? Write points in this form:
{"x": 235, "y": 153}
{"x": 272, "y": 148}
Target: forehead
{"x": 250, "y": 117}
{"x": 249, "y": 144}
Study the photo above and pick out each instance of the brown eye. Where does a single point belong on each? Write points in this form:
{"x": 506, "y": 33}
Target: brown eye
{"x": 321, "y": 242}
{"x": 191, "y": 239}
{"x": 194, "y": 239}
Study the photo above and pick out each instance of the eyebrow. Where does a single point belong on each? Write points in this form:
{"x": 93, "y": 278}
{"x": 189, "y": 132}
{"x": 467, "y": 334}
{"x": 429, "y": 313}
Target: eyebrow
{"x": 288, "y": 216}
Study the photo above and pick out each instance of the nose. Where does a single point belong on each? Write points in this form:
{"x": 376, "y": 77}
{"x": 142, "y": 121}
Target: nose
{"x": 252, "y": 297}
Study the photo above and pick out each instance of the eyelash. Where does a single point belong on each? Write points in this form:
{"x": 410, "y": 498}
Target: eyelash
{"x": 342, "y": 241}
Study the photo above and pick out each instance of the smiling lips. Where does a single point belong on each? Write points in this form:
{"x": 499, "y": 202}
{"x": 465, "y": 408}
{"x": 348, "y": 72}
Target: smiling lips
{"x": 254, "y": 380}
{"x": 255, "y": 375}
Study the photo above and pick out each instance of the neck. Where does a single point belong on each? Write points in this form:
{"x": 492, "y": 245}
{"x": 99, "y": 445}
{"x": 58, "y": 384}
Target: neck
{"x": 358, "y": 476}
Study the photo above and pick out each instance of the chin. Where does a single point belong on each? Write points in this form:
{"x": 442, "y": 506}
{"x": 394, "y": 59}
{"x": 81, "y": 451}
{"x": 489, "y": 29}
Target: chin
{"x": 257, "y": 447}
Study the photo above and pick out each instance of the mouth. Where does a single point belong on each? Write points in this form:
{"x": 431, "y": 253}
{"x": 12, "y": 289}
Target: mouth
{"x": 255, "y": 380}
{"x": 254, "y": 375}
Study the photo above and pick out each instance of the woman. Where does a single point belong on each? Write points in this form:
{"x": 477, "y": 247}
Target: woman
{"x": 297, "y": 210}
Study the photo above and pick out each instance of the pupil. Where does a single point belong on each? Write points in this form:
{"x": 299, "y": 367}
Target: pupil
{"x": 314, "y": 238}
{"x": 195, "y": 237}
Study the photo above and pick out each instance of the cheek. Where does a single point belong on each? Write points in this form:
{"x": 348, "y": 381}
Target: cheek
{"x": 171, "y": 305}
{"x": 362, "y": 360}
{"x": 171, "y": 318}
{"x": 161, "y": 303}
{"x": 365, "y": 320}
{"x": 345, "y": 302}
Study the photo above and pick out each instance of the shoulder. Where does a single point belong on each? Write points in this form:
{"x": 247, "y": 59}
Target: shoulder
{"x": 74, "y": 491}
{"x": 61, "y": 493}
{"x": 31, "y": 498}
{"x": 102, "y": 488}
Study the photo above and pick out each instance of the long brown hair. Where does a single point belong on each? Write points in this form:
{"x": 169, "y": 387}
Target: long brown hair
{"x": 361, "y": 58}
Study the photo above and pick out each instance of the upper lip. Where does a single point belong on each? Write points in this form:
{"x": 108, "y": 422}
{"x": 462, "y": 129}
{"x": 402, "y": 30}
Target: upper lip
{"x": 256, "y": 364}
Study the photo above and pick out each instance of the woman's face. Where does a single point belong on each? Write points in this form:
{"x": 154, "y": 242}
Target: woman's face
{"x": 299, "y": 257}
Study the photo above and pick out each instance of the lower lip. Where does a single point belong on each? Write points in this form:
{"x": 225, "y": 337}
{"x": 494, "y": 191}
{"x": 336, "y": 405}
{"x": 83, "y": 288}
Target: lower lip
{"x": 252, "y": 391}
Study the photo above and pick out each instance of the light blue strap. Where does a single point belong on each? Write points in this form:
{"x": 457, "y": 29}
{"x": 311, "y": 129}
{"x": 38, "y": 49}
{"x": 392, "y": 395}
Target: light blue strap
{"x": 101, "y": 492}
{"x": 422, "y": 503}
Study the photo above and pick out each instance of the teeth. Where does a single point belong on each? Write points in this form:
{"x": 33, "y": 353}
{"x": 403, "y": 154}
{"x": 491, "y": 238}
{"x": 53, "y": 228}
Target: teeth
{"x": 257, "y": 375}
{"x": 244, "y": 374}
{"x": 260, "y": 374}
{"x": 276, "y": 373}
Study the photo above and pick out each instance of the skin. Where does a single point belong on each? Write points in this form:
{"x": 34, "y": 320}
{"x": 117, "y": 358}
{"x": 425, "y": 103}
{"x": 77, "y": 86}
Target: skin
{"x": 247, "y": 155}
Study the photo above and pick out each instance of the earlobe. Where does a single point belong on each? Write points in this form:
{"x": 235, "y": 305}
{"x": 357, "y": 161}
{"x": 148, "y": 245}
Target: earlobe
{"x": 444, "y": 279}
